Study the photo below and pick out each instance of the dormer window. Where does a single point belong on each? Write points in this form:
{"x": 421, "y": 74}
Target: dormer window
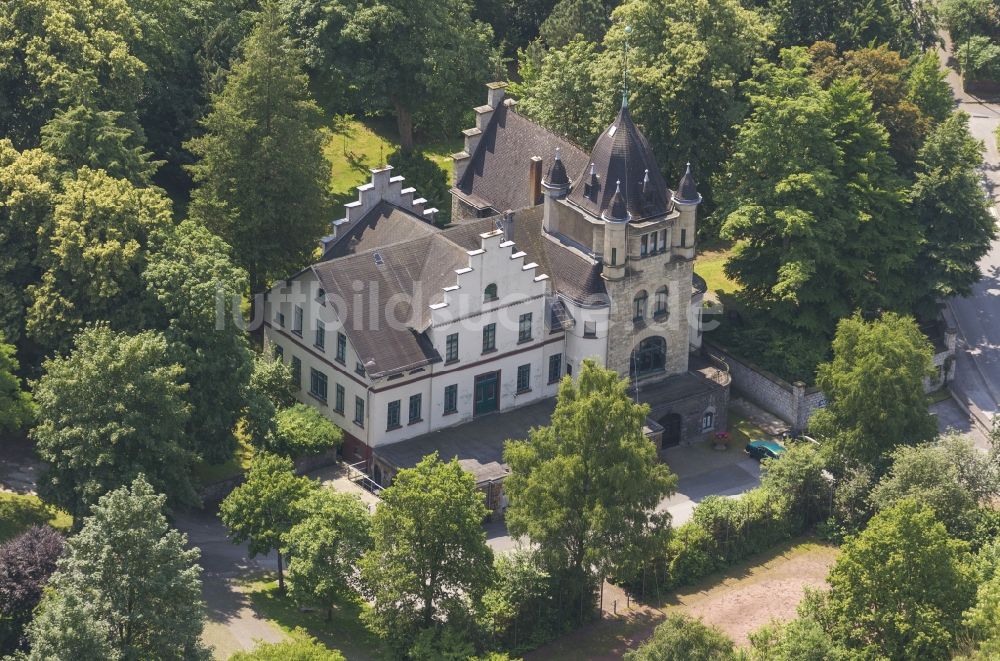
{"x": 490, "y": 293}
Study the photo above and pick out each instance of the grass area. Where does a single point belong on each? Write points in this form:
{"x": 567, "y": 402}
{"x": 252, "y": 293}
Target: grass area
{"x": 344, "y": 631}
{"x": 355, "y": 146}
{"x": 18, "y": 512}
{"x": 207, "y": 473}
{"x": 709, "y": 265}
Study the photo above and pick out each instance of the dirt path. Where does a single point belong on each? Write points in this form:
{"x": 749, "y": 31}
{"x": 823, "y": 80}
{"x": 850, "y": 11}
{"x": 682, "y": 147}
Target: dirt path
{"x": 738, "y": 602}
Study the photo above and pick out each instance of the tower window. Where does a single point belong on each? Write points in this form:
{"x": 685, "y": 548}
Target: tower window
{"x": 660, "y": 305}
{"x": 614, "y": 256}
{"x": 644, "y": 244}
{"x": 684, "y": 239}
{"x": 639, "y": 306}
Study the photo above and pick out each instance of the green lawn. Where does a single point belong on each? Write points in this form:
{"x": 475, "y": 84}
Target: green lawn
{"x": 709, "y": 265}
{"x": 356, "y": 146}
{"x": 344, "y": 631}
{"x": 18, "y": 512}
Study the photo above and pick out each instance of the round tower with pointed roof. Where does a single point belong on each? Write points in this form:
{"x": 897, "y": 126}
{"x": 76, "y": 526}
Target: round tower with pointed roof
{"x": 555, "y": 185}
{"x": 686, "y": 198}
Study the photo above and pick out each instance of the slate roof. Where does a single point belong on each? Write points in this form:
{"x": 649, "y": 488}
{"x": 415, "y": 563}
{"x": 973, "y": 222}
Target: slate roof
{"x": 687, "y": 189}
{"x": 411, "y": 273}
{"x": 497, "y": 176}
{"x": 623, "y": 154}
{"x": 385, "y": 224}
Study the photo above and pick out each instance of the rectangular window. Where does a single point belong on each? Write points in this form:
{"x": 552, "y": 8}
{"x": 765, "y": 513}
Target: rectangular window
{"x": 684, "y": 239}
{"x": 614, "y": 256}
{"x": 415, "y": 404}
{"x": 451, "y": 398}
{"x": 297, "y": 321}
{"x": 489, "y": 337}
{"x": 555, "y": 367}
{"x": 296, "y": 371}
{"x": 524, "y": 328}
{"x": 644, "y": 245}
{"x": 279, "y": 318}
{"x": 317, "y": 384}
{"x": 341, "y": 348}
{"x": 359, "y": 412}
{"x": 569, "y": 370}
{"x": 320, "y": 335}
{"x": 524, "y": 378}
{"x": 359, "y": 368}
{"x": 590, "y": 329}
{"x": 663, "y": 240}
{"x": 338, "y": 402}
{"x": 451, "y": 348}
{"x": 392, "y": 419}
{"x": 279, "y": 352}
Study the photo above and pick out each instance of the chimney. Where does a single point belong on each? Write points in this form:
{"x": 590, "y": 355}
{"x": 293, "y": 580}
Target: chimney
{"x": 495, "y": 93}
{"x": 508, "y": 225}
{"x": 535, "y": 181}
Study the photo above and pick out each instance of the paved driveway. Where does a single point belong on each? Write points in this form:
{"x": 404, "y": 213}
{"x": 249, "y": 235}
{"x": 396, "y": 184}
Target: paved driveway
{"x": 726, "y": 479}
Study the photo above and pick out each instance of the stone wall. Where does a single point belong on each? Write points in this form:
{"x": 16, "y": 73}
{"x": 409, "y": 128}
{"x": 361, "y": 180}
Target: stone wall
{"x": 795, "y": 402}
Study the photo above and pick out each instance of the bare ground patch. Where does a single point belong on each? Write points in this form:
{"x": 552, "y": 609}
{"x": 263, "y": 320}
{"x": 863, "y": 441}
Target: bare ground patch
{"x": 738, "y": 601}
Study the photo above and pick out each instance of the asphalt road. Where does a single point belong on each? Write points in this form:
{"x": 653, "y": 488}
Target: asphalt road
{"x": 977, "y": 317}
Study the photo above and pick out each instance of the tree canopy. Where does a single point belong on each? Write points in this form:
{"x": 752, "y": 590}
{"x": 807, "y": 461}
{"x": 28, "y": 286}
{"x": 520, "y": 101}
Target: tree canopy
{"x": 26, "y": 562}
{"x": 261, "y": 175}
{"x": 874, "y": 388}
{"x": 127, "y": 586}
{"x": 584, "y": 488}
{"x": 109, "y": 411}
{"x": 429, "y": 556}
{"x": 16, "y": 407}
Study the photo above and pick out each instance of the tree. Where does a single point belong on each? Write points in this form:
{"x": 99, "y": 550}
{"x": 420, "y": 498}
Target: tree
{"x": 519, "y": 608}
{"x": 979, "y": 59}
{"x": 588, "y": 18}
{"x": 325, "y": 545}
{"x": 686, "y": 64}
{"x": 949, "y": 204}
{"x": 301, "y": 647}
{"x": 26, "y": 562}
{"x": 262, "y": 178}
{"x": 197, "y": 286}
{"x": 801, "y": 477}
{"x": 28, "y": 184}
{"x": 949, "y": 475}
{"x": 303, "y": 429}
{"x": 109, "y": 411}
{"x": 982, "y": 620}
{"x": 809, "y": 171}
{"x": 683, "y": 638}
{"x": 966, "y": 18}
{"x": 269, "y": 389}
{"x": 928, "y": 87}
{"x": 584, "y": 488}
{"x": 93, "y": 255}
{"x": 16, "y": 408}
{"x": 429, "y": 556}
{"x": 129, "y": 574}
{"x": 423, "y": 59}
{"x": 263, "y": 509}
{"x": 899, "y": 588}
{"x": 58, "y": 53}
{"x": 874, "y": 390}
{"x": 801, "y": 639}
{"x": 82, "y": 136}
{"x": 430, "y": 180}
{"x": 561, "y": 91}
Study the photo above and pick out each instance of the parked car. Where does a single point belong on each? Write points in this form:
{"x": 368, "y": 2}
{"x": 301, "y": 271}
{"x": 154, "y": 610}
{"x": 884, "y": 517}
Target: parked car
{"x": 764, "y": 449}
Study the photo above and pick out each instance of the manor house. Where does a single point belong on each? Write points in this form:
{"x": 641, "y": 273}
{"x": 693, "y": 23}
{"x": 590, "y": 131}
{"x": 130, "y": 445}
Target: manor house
{"x": 415, "y": 338}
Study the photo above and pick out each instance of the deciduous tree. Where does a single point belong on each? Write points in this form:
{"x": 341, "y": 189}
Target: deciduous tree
{"x": 261, "y": 175}
{"x": 584, "y": 488}
{"x": 16, "y": 407}
{"x": 898, "y": 589}
{"x": 26, "y": 562}
{"x": 325, "y": 547}
{"x": 303, "y": 429}
{"x": 127, "y": 587}
{"x": 93, "y": 255}
{"x": 683, "y": 638}
{"x": 429, "y": 556}
{"x": 874, "y": 388}
{"x": 109, "y": 411}
{"x": 263, "y": 509}
{"x": 193, "y": 279}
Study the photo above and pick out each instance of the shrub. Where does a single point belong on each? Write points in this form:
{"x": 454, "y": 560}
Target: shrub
{"x": 683, "y": 638}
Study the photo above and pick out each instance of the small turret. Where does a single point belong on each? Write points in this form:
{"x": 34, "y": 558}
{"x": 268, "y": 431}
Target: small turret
{"x": 617, "y": 211}
{"x": 687, "y": 199}
{"x": 555, "y": 185}
{"x": 687, "y": 189}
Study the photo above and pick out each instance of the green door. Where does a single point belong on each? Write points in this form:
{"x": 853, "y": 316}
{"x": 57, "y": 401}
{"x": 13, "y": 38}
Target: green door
{"x": 487, "y": 393}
